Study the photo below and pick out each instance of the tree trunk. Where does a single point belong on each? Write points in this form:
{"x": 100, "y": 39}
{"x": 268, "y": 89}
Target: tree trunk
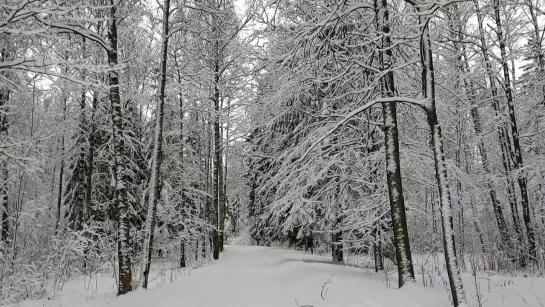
{"x": 4, "y": 175}
{"x": 182, "y": 182}
{"x": 428, "y": 84}
{"x": 61, "y": 174}
{"x": 182, "y": 255}
{"x": 90, "y": 160}
{"x": 391, "y": 139}
{"x": 377, "y": 252}
{"x": 224, "y": 184}
{"x": 496, "y": 204}
{"x": 157, "y": 154}
{"x": 463, "y": 68}
{"x": 337, "y": 247}
{"x": 503, "y": 137}
{"x": 218, "y": 169}
{"x": 120, "y": 166}
{"x": 517, "y": 161}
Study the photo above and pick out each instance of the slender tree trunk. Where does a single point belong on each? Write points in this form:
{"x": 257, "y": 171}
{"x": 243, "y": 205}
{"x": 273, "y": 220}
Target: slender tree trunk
{"x": 463, "y": 68}
{"x": 157, "y": 154}
{"x": 496, "y": 204}
{"x": 505, "y": 143}
{"x": 90, "y": 160}
{"x": 537, "y": 52}
{"x": 4, "y": 175}
{"x": 428, "y": 84}
{"x": 77, "y": 183}
{"x": 218, "y": 169}
{"x": 182, "y": 181}
{"x": 120, "y": 165}
{"x": 210, "y": 209}
{"x": 61, "y": 173}
{"x": 391, "y": 141}
{"x": 377, "y": 253}
{"x": 518, "y": 162}
{"x": 182, "y": 255}
{"x": 224, "y": 184}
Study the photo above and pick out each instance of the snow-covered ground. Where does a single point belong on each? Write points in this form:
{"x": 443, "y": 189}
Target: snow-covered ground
{"x": 270, "y": 277}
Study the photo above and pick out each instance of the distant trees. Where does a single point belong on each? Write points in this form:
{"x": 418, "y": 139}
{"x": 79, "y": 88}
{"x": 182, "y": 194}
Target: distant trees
{"x": 312, "y": 104}
{"x": 78, "y": 78}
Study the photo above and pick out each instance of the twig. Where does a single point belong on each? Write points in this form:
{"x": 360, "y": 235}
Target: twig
{"x": 324, "y": 290}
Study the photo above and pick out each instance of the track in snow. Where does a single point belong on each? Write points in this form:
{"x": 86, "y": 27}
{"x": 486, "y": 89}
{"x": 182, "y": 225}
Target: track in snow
{"x": 268, "y": 277}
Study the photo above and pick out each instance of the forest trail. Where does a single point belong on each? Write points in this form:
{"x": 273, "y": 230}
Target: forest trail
{"x": 267, "y": 277}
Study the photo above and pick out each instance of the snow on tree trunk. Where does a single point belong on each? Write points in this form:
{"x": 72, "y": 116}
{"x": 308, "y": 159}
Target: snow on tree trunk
{"x": 90, "y": 160}
{"x": 157, "y": 154}
{"x": 391, "y": 142}
{"x": 496, "y": 204}
{"x": 182, "y": 181}
{"x": 120, "y": 166}
{"x": 4, "y": 175}
{"x": 337, "y": 247}
{"x": 61, "y": 172}
{"x": 463, "y": 69}
{"x": 504, "y": 140}
{"x": 517, "y": 151}
{"x": 377, "y": 254}
{"x": 428, "y": 82}
{"x": 218, "y": 169}
{"x": 223, "y": 214}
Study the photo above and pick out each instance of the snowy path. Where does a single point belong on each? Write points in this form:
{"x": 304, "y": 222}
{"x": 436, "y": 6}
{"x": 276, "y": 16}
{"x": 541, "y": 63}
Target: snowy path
{"x": 258, "y": 276}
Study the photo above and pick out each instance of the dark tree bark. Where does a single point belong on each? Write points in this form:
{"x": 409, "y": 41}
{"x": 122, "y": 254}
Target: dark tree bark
{"x": 337, "y": 247}
{"x": 391, "y": 140}
{"x": 517, "y": 151}
{"x": 90, "y": 160}
{"x": 120, "y": 165}
{"x": 505, "y": 143}
{"x": 218, "y": 169}
{"x": 377, "y": 253}
{"x": 463, "y": 68}
{"x": 75, "y": 193}
{"x": 4, "y": 175}
{"x": 191, "y": 141}
{"x": 182, "y": 182}
{"x": 182, "y": 255}
{"x": 61, "y": 174}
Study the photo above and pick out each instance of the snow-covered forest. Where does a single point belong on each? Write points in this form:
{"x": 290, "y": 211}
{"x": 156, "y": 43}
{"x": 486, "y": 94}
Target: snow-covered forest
{"x": 397, "y": 143}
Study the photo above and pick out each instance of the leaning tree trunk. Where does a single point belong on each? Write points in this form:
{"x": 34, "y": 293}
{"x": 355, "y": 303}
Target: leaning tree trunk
{"x": 428, "y": 84}
{"x": 391, "y": 142}
{"x": 120, "y": 165}
{"x": 517, "y": 161}
{"x": 157, "y": 154}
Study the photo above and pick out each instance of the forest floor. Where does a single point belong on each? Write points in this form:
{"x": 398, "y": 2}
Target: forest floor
{"x": 270, "y": 277}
